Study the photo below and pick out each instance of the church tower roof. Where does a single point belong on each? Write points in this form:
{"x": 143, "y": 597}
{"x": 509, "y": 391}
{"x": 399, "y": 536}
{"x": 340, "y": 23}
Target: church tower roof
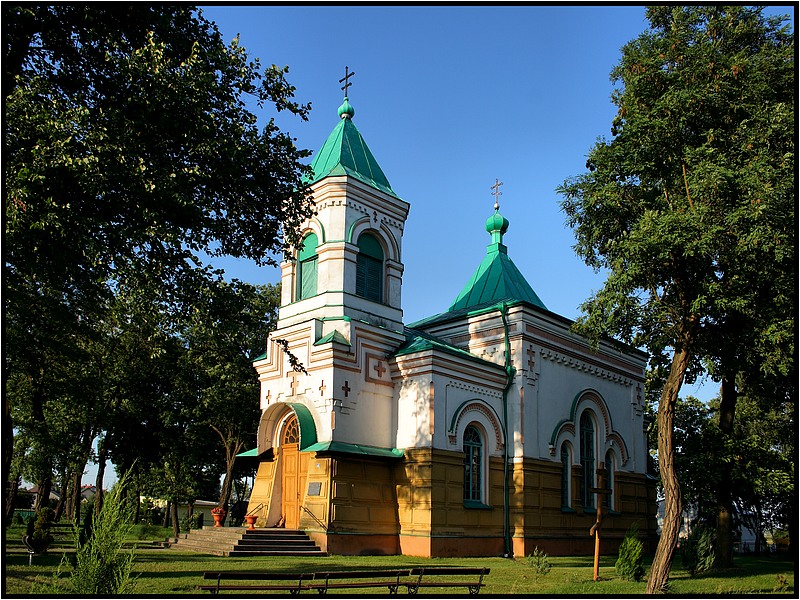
{"x": 346, "y": 153}
{"x": 497, "y": 277}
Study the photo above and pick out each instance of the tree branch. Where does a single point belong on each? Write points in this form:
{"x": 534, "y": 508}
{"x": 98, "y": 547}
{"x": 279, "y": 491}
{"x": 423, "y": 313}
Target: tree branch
{"x": 686, "y": 183}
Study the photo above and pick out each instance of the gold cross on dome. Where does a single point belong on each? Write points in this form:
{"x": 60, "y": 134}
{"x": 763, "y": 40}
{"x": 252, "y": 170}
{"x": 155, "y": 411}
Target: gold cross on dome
{"x": 346, "y": 79}
{"x": 496, "y": 193}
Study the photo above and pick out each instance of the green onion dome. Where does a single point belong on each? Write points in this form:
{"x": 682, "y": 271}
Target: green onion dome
{"x": 497, "y": 223}
{"x": 346, "y": 110}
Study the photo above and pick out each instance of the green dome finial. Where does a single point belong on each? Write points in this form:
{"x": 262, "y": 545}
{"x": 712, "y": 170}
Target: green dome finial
{"x": 346, "y": 110}
{"x": 497, "y": 224}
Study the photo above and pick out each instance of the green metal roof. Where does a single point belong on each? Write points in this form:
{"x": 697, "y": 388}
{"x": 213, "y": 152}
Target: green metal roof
{"x": 333, "y": 336}
{"x": 346, "y": 153}
{"x": 357, "y": 449}
{"x": 497, "y": 277}
{"x": 419, "y": 341}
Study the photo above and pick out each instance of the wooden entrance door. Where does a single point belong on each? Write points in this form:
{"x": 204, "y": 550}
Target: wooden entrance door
{"x": 295, "y": 470}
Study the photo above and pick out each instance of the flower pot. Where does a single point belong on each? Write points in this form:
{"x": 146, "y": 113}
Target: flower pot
{"x": 218, "y": 518}
{"x": 251, "y": 521}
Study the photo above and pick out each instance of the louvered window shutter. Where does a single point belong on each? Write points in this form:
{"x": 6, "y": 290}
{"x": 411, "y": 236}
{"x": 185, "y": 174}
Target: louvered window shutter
{"x": 307, "y": 268}
{"x": 369, "y": 269}
{"x": 308, "y": 278}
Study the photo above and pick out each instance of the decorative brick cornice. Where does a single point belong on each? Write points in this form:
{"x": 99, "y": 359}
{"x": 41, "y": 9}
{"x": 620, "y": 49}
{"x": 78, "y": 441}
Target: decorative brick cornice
{"x": 580, "y": 365}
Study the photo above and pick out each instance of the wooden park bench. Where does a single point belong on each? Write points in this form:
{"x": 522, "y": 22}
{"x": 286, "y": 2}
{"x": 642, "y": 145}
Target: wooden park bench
{"x": 440, "y": 577}
{"x": 331, "y": 580}
{"x": 392, "y": 579}
{"x": 291, "y": 582}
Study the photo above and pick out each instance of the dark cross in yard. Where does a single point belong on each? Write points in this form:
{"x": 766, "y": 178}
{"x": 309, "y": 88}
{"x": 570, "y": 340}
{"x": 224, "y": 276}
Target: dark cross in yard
{"x": 496, "y": 193}
{"x": 601, "y": 490}
{"x": 346, "y": 80}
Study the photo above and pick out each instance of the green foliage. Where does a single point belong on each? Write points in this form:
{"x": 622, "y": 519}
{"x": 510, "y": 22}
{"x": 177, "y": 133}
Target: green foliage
{"x": 539, "y": 561}
{"x": 690, "y": 207}
{"x": 192, "y": 522}
{"x": 101, "y": 567}
{"x": 37, "y": 534}
{"x": 630, "y": 563}
{"x": 697, "y": 551}
{"x": 131, "y": 156}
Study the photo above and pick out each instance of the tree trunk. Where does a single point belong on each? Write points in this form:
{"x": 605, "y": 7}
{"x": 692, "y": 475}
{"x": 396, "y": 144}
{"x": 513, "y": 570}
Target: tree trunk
{"x": 76, "y": 496}
{"x": 13, "y": 488}
{"x": 225, "y": 494}
{"x": 102, "y": 455}
{"x": 723, "y": 554}
{"x": 165, "y": 522}
{"x": 43, "y": 497}
{"x": 62, "y": 496}
{"x": 670, "y": 527}
{"x": 8, "y": 453}
{"x": 176, "y": 526}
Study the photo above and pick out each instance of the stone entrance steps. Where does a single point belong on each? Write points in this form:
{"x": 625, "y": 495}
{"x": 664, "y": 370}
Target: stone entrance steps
{"x": 240, "y": 541}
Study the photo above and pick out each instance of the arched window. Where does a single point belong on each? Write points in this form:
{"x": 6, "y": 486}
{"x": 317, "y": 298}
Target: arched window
{"x": 566, "y": 477}
{"x": 291, "y": 432}
{"x": 610, "y": 467}
{"x": 473, "y": 463}
{"x": 307, "y": 268}
{"x": 369, "y": 268}
{"x": 587, "y": 460}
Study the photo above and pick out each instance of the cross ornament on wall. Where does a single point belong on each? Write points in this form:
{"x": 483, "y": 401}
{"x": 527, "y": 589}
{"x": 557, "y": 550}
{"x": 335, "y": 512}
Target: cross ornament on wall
{"x": 346, "y": 79}
{"x": 379, "y": 369}
{"x": 293, "y": 385}
{"x": 531, "y": 358}
{"x": 346, "y": 389}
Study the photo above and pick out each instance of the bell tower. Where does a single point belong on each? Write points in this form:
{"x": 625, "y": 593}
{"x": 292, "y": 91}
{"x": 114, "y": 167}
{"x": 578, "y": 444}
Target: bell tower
{"x": 350, "y": 264}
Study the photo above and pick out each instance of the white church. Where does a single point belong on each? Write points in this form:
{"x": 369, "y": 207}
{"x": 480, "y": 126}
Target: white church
{"x": 479, "y": 431}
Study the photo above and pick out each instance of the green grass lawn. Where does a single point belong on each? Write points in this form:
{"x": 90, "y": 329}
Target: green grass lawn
{"x": 164, "y": 572}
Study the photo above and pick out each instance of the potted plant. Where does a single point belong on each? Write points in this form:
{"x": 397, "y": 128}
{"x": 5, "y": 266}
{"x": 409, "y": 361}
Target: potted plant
{"x": 219, "y": 515}
{"x": 251, "y": 521}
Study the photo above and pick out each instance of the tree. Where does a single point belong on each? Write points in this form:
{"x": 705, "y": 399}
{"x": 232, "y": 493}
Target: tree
{"x": 226, "y": 329}
{"x": 129, "y": 150}
{"x": 694, "y": 189}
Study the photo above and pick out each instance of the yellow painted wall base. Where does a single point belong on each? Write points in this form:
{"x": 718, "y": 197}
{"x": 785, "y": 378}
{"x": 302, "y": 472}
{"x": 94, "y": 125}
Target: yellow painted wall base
{"x": 415, "y": 507}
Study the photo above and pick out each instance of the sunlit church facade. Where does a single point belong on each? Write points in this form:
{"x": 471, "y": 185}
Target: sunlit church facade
{"x": 479, "y": 431}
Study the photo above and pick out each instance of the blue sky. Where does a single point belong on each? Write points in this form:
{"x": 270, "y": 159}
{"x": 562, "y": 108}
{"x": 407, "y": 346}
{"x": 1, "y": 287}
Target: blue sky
{"x": 448, "y": 98}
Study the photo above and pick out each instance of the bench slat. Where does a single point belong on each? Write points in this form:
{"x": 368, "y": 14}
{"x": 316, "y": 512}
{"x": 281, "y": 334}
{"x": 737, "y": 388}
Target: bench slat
{"x": 259, "y": 576}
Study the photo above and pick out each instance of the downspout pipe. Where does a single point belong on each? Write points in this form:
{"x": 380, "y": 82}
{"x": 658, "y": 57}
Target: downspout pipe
{"x": 510, "y": 373}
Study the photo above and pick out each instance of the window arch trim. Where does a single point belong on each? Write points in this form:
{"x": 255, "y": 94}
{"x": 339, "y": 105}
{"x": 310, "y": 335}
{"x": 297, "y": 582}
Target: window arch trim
{"x": 476, "y": 411}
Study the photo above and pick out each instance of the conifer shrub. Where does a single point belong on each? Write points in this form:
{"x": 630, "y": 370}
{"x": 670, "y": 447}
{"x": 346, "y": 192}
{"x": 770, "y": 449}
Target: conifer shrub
{"x": 100, "y": 567}
{"x": 697, "y": 551}
{"x": 37, "y": 535}
{"x": 629, "y": 564}
{"x": 539, "y": 561}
